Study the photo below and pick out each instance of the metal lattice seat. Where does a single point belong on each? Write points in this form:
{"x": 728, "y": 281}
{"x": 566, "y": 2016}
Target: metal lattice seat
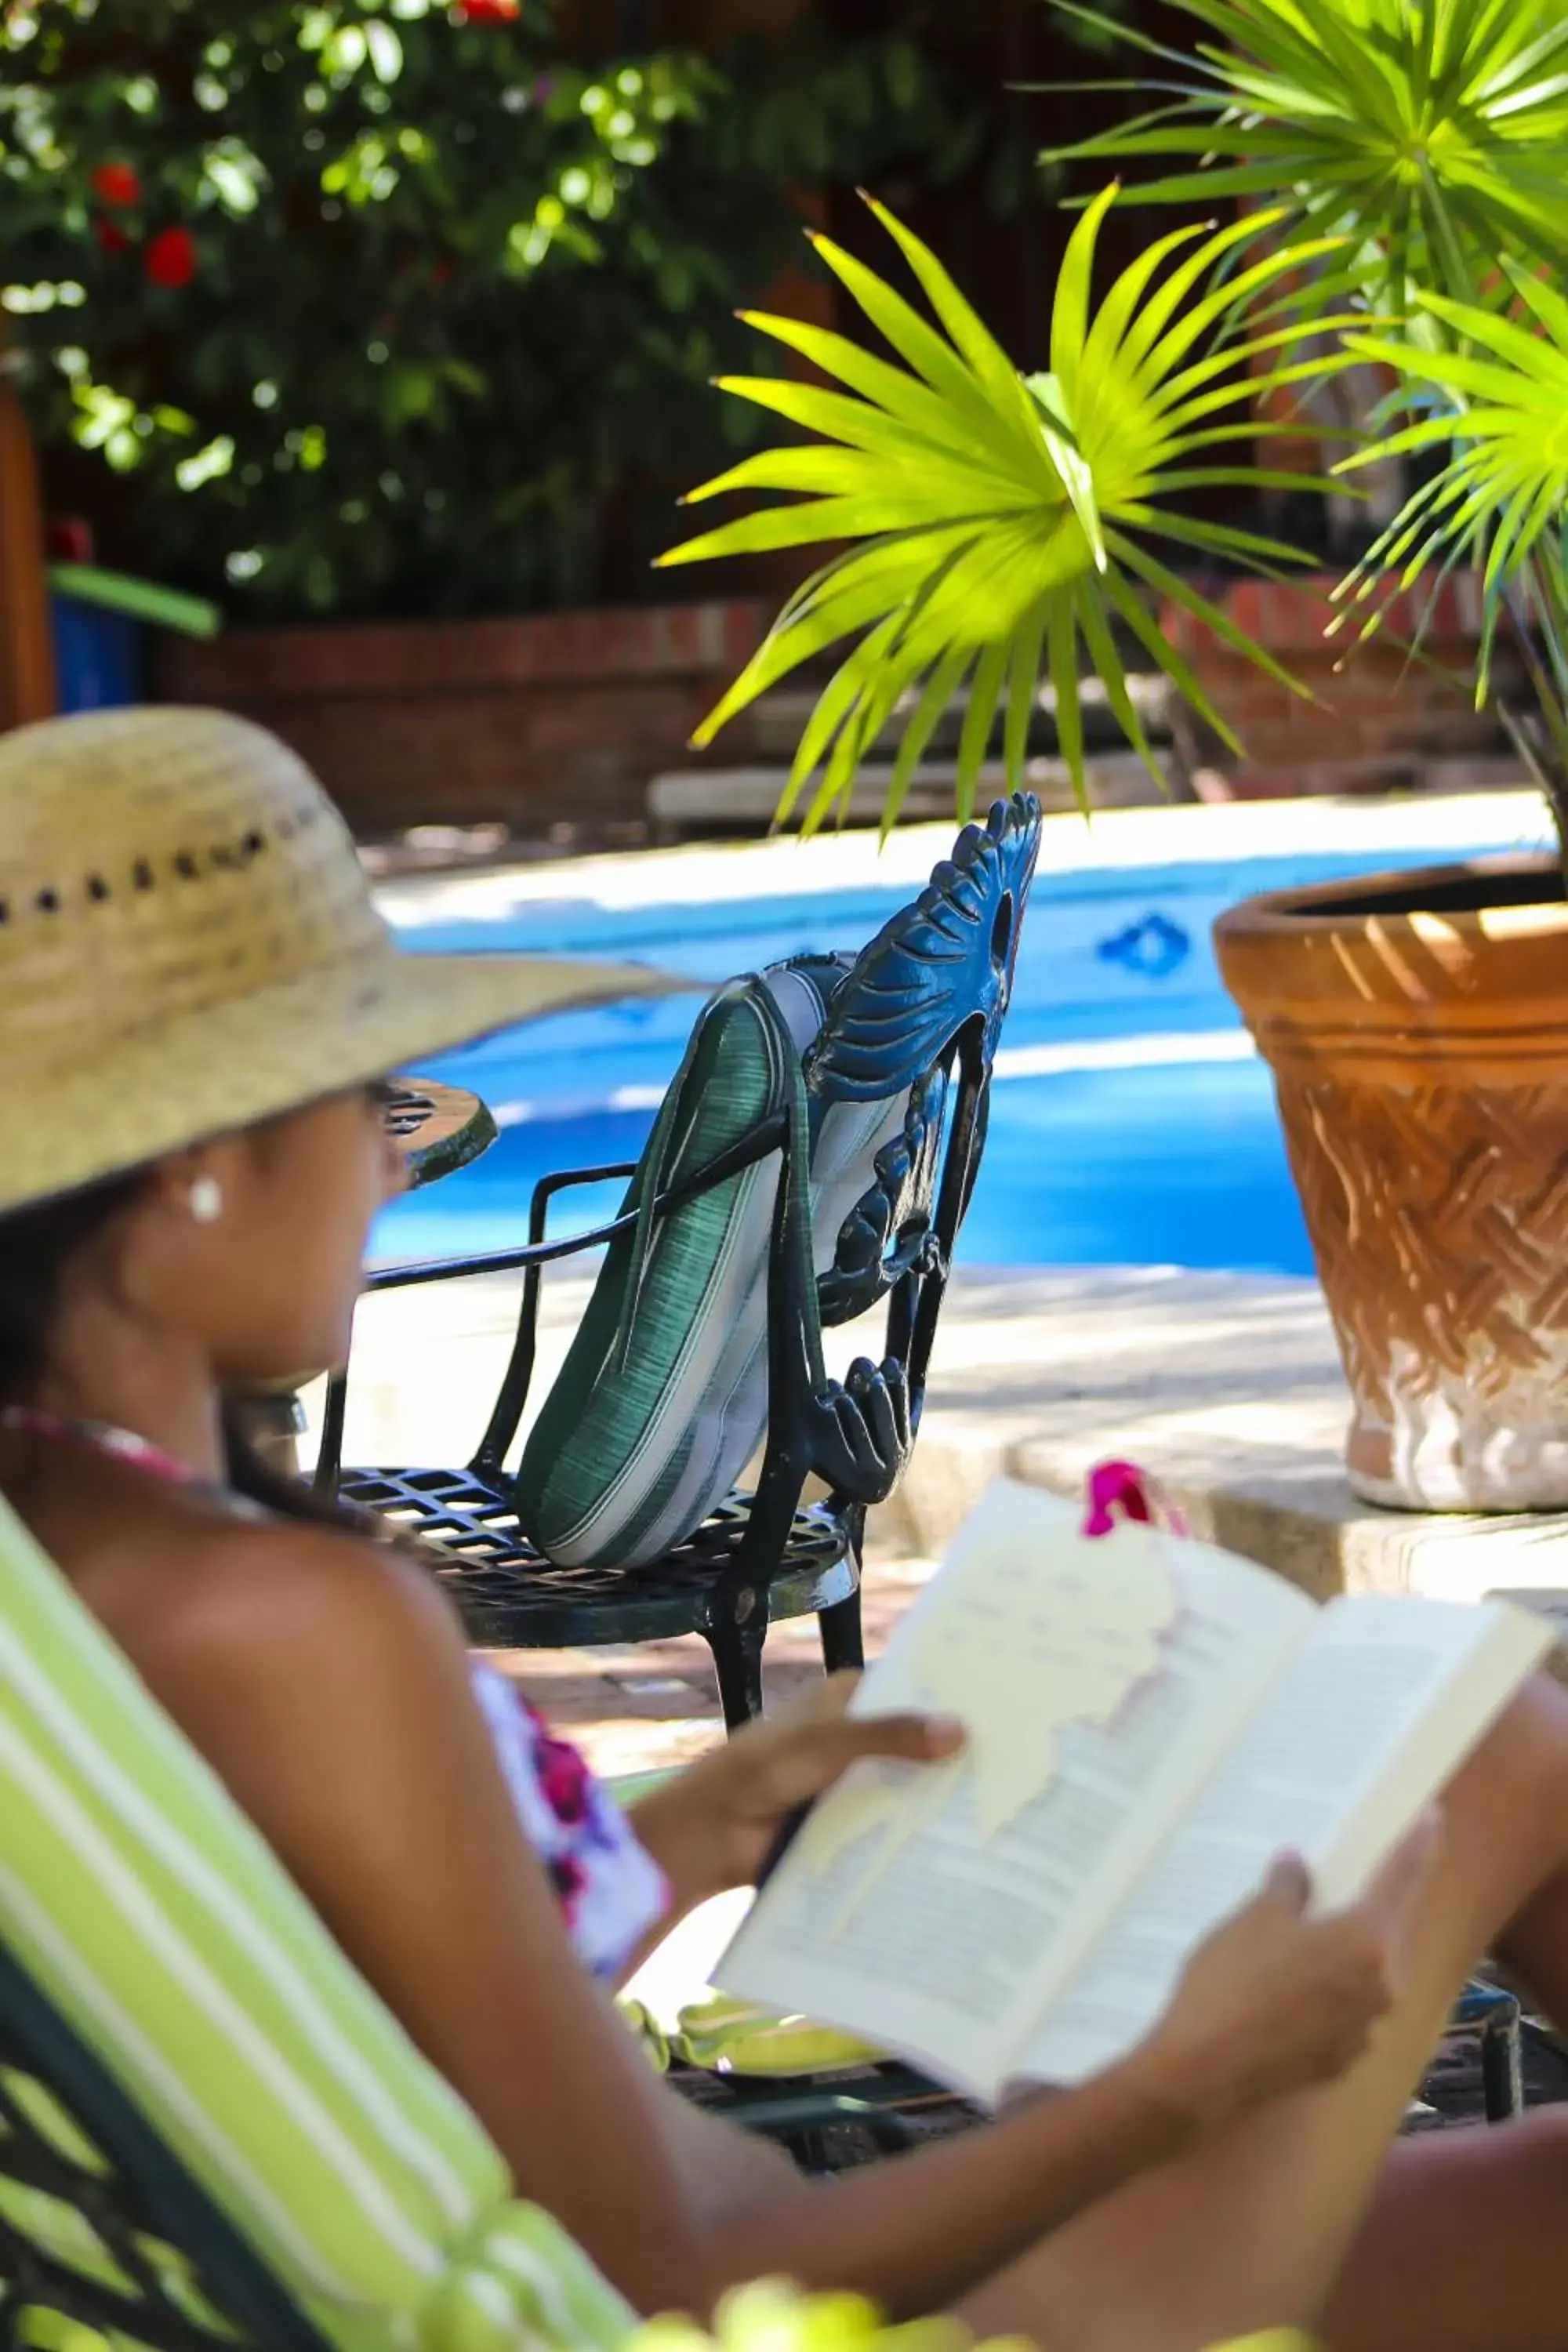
{"x": 916, "y": 1021}
{"x": 508, "y": 1594}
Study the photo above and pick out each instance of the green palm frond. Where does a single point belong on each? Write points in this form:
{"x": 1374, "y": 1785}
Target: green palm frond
{"x": 997, "y": 526}
{"x": 1433, "y": 133}
{"x": 1497, "y": 401}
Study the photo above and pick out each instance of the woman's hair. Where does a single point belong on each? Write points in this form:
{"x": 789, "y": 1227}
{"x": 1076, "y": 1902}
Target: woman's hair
{"x": 37, "y": 1246}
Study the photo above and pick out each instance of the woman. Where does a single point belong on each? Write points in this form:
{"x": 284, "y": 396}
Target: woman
{"x": 198, "y": 1003}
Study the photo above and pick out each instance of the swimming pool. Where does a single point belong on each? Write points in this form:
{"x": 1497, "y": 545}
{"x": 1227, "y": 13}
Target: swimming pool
{"x": 1132, "y": 1123}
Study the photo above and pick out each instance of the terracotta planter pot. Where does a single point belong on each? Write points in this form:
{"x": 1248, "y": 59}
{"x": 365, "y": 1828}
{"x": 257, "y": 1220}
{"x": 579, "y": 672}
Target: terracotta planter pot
{"x": 1417, "y": 1029}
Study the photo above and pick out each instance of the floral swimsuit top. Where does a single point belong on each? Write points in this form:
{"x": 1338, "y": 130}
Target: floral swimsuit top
{"x": 611, "y": 1891}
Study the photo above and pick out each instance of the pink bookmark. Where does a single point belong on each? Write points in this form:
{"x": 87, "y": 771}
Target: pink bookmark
{"x": 1120, "y": 1489}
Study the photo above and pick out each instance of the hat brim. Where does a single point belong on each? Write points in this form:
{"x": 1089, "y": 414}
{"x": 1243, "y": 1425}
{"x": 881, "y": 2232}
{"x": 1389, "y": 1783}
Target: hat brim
{"x": 226, "y": 1065}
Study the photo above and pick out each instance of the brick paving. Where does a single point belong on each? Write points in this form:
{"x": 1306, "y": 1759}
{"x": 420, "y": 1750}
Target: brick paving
{"x": 636, "y": 1709}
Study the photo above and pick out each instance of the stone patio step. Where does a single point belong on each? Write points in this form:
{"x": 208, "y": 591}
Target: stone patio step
{"x": 743, "y": 799}
{"x": 1225, "y": 1387}
{"x": 778, "y": 718}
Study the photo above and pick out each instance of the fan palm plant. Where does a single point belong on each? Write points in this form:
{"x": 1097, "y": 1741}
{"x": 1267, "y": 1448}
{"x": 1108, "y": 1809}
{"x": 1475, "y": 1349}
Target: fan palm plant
{"x": 1410, "y": 156}
{"x": 1431, "y": 133}
{"x": 1432, "y": 136}
{"x": 1495, "y": 393}
{"x": 999, "y": 527}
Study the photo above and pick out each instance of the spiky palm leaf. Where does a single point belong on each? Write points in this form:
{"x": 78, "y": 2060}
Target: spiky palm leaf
{"x": 1496, "y": 396}
{"x": 1005, "y": 522}
{"x": 1434, "y": 133}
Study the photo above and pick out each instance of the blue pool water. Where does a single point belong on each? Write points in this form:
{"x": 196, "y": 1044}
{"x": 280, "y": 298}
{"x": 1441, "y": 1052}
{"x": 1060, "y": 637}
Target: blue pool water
{"x": 1131, "y": 1123}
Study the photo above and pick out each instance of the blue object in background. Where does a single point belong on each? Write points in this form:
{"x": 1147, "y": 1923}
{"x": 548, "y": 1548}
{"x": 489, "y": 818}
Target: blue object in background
{"x": 1154, "y": 946}
{"x": 99, "y": 656}
{"x": 100, "y": 622}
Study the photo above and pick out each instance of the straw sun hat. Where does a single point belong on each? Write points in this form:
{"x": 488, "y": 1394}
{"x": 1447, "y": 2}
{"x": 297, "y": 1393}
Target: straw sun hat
{"x": 187, "y": 944}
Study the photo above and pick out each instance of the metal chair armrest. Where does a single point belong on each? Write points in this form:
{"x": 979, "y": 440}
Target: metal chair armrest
{"x": 528, "y": 1259}
{"x": 534, "y": 1252}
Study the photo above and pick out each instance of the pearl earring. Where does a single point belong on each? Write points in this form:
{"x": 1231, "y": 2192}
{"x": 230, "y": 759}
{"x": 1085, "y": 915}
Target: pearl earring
{"x": 206, "y": 1200}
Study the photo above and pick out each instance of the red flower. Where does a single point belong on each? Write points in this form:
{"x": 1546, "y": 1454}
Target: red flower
{"x": 69, "y": 538}
{"x": 441, "y": 271}
{"x": 117, "y": 183}
{"x": 171, "y": 258}
{"x": 487, "y": 12}
{"x": 110, "y": 235}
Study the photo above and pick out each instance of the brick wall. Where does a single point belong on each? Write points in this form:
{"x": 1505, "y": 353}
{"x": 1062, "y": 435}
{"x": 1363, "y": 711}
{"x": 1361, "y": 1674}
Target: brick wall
{"x": 558, "y": 720}
{"x": 1378, "y": 717}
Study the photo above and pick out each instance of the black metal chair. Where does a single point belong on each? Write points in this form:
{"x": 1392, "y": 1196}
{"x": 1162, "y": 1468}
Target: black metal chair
{"x": 829, "y": 2122}
{"x": 924, "y": 1027}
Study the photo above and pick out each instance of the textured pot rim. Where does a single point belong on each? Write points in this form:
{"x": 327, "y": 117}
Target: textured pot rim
{"x": 1418, "y": 996}
{"x": 1294, "y": 912}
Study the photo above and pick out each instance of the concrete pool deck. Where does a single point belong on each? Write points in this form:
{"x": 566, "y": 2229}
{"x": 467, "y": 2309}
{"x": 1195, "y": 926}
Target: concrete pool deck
{"x": 1227, "y": 1387}
{"x": 1363, "y": 827}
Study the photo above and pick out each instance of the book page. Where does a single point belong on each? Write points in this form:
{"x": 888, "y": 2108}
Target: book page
{"x": 1360, "y": 1732}
{"x": 932, "y": 1910}
{"x": 1470, "y": 1683}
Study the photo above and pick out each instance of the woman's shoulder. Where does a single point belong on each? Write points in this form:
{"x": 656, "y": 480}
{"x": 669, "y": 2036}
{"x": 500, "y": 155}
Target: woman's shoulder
{"x": 240, "y": 1600}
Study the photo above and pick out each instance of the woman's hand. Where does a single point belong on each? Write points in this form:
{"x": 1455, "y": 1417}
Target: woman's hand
{"x": 1275, "y": 2002}
{"x": 712, "y": 1825}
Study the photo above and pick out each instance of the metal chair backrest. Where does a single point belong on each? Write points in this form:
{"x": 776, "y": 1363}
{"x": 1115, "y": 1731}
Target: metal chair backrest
{"x": 919, "y": 1016}
{"x": 917, "y": 1020}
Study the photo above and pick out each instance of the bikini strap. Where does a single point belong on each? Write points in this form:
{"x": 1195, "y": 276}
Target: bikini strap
{"x": 115, "y": 1445}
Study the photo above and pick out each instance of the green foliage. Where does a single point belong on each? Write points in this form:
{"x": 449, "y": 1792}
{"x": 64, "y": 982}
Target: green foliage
{"x": 382, "y": 305}
{"x": 1411, "y": 155}
{"x": 1434, "y": 133}
{"x": 773, "y": 2317}
{"x": 1007, "y": 525}
{"x": 1495, "y": 393}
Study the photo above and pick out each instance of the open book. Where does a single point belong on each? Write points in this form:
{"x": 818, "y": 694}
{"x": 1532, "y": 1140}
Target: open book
{"x": 1151, "y": 1722}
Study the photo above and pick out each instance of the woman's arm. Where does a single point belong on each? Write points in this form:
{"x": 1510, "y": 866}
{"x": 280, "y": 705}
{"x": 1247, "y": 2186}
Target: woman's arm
{"x": 710, "y": 1825}
{"x": 1270, "y": 2003}
{"x": 327, "y": 1685}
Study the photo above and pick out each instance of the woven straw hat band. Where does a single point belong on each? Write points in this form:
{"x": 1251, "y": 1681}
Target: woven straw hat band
{"x": 188, "y": 945}
{"x": 154, "y": 863}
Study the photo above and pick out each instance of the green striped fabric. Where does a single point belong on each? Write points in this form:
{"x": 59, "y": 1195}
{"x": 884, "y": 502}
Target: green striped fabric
{"x": 163, "y": 1931}
{"x": 663, "y": 1397}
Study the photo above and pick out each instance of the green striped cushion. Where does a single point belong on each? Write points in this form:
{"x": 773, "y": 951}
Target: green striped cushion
{"x": 663, "y": 1397}
{"x": 163, "y": 1931}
